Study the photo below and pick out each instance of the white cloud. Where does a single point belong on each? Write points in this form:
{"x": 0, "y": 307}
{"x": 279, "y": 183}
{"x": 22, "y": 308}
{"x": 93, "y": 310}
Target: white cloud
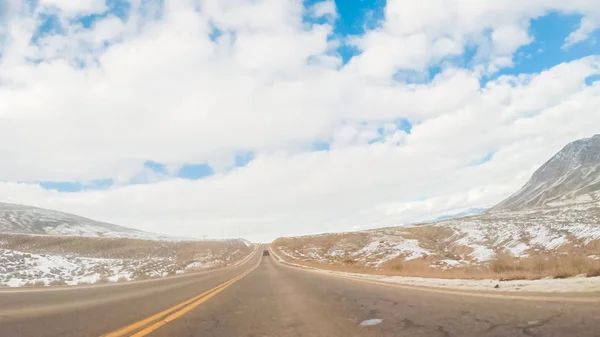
{"x": 324, "y": 8}
{"x": 418, "y": 34}
{"x": 70, "y": 7}
{"x": 97, "y": 103}
{"x": 586, "y": 27}
{"x": 524, "y": 119}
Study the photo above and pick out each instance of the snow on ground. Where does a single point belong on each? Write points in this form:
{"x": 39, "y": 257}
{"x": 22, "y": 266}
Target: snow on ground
{"x": 481, "y": 253}
{"x": 20, "y": 268}
{"x": 409, "y": 248}
{"x": 27, "y": 269}
{"x": 518, "y": 250}
{"x": 382, "y": 248}
{"x": 548, "y": 285}
{"x": 573, "y": 284}
{"x": 473, "y": 240}
{"x": 544, "y": 229}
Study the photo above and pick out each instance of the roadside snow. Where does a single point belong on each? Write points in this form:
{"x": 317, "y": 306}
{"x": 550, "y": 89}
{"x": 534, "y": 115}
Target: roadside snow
{"x": 19, "y": 268}
{"x": 200, "y": 265}
{"x": 573, "y": 284}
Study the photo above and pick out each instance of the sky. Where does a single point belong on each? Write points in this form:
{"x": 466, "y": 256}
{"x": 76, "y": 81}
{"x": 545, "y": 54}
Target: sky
{"x": 267, "y": 118}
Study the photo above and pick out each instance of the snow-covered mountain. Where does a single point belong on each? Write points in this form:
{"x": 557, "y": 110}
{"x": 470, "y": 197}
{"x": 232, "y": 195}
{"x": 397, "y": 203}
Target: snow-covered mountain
{"x": 571, "y": 176}
{"x": 21, "y": 219}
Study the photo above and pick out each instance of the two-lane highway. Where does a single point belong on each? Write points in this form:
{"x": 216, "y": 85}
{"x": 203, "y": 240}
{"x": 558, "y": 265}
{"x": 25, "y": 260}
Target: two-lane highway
{"x": 266, "y": 298}
{"x": 98, "y": 310}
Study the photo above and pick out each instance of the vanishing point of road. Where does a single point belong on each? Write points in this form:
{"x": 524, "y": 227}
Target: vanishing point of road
{"x": 263, "y": 297}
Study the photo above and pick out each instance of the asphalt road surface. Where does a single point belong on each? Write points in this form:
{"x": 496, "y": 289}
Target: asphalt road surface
{"x": 265, "y": 298}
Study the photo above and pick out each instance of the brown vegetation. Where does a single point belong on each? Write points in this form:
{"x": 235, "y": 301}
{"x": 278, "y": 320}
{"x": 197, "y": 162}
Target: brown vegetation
{"x": 139, "y": 258}
{"x": 544, "y": 265}
{"x": 36, "y": 284}
{"x": 60, "y": 282}
{"x": 503, "y": 267}
{"x": 117, "y": 248}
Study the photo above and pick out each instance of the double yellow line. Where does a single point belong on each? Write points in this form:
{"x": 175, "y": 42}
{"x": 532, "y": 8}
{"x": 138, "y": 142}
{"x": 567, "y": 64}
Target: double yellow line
{"x": 154, "y": 322}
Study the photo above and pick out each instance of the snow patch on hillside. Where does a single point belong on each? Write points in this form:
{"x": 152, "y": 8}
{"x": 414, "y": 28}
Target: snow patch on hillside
{"x": 21, "y": 268}
{"x": 21, "y": 219}
{"x": 474, "y": 240}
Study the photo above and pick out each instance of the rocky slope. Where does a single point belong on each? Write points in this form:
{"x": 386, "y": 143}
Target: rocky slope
{"x": 551, "y": 227}
{"x": 572, "y": 175}
{"x": 21, "y": 219}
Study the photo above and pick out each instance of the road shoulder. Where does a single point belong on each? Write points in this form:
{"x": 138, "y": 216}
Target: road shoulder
{"x": 585, "y": 289}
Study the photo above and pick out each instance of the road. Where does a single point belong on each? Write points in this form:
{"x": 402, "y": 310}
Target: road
{"x": 266, "y": 298}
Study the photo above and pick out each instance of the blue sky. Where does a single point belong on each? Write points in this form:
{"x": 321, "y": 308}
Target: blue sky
{"x": 546, "y": 50}
{"x": 319, "y": 115}
{"x": 355, "y": 18}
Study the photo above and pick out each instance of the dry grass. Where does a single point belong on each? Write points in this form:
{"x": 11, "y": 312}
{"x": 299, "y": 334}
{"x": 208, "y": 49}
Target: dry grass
{"x": 119, "y": 248}
{"x": 432, "y": 234}
{"x": 546, "y": 265}
{"x": 575, "y": 257}
{"x": 36, "y": 284}
{"x": 324, "y": 243}
{"x": 504, "y": 267}
{"x": 139, "y": 258}
{"x": 60, "y": 282}
{"x": 102, "y": 280}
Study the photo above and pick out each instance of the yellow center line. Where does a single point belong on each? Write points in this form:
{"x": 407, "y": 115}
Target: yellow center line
{"x": 175, "y": 311}
{"x": 184, "y": 310}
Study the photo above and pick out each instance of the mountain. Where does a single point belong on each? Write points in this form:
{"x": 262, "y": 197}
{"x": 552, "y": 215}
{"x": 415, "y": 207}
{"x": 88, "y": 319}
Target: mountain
{"x": 571, "y": 176}
{"x": 21, "y": 219}
{"x": 549, "y": 228}
{"x": 468, "y": 212}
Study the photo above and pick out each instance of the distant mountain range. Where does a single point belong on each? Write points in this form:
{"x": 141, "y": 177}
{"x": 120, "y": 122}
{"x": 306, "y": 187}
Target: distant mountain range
{"x": 21, "y": 219}
{"x": 571, "y": 176}
{"x": 470, "y": 211}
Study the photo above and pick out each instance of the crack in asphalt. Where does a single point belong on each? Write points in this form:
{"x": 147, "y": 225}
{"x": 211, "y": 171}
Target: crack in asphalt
{"x": 527, "y": 329}
{"x": 494, "y": 326}
{"x": 407, "y": 324}
{"x": 443, "y": 331}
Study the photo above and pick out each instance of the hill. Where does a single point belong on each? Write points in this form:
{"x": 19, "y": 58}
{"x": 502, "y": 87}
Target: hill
{"x": 22, "y": 219}
{"x": 570, "y": 176}
{"x": 549, "y": 228}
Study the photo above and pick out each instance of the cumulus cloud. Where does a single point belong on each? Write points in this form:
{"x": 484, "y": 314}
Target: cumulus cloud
{"x": 586, "y": 27}
{"x": 203, "y": 81}
{"x": 418, "y": 34}
{"x": 324, "y": 8}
